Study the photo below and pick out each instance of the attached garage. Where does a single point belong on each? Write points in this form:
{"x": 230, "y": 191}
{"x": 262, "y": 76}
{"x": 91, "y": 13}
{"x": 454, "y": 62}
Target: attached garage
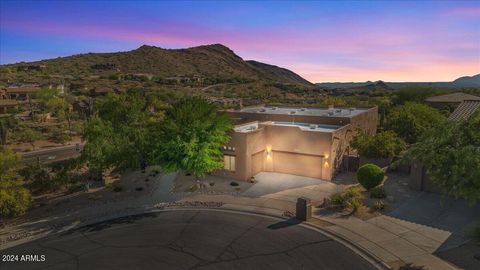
{"x": 298, "y": 164}
{"x": 257, "y": 162}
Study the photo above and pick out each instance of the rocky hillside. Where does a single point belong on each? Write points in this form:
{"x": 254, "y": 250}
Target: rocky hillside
{"x": 215, "y": 62}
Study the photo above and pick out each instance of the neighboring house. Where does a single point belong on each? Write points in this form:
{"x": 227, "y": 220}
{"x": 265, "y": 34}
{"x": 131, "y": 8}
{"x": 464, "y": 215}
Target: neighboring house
{"x": 449, "y": 100}
{"x": 82, "y": 107}
{"x": 21, "y": 92}
{"x": 7, "y": 103}
{"x": 302, "y": 141}
{"x": 466, "y": 109}
{"x": 419, "y": 180}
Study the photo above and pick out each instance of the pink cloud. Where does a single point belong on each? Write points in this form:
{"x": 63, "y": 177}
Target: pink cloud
{"x": 463, "y": 11}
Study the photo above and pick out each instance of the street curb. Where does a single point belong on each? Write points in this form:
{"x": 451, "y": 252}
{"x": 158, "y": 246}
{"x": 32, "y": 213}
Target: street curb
{"x": 336, "y": 236}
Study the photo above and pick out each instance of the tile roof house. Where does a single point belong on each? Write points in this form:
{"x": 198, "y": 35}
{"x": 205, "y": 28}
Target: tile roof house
{"x": 466, "y": 109}
{"x": 449, "y": 100}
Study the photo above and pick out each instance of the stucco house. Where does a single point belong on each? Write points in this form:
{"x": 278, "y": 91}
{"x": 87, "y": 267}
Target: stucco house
{"x": 301, "y": 141}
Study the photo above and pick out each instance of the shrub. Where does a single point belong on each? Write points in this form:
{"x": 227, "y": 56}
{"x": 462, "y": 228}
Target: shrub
{"x": 234, "y": 184}
{"x": 370, "y": 176}
{"x": 381, "y": 145}
{"x": 14, "y": 199}
{"x": 377, "y": 193}
{"x": 350, "y": 199}
{"x": 115, "y": 186}
{"x": 378, "y": 205}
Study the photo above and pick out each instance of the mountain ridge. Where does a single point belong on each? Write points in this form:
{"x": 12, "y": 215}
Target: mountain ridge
{"x": 208, "y": 61}
{"x": 461, "y": 82}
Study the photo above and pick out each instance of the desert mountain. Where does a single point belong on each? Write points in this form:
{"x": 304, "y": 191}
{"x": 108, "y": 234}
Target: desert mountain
{"x": 462, "y": 82}
{"x": 468, "y": 81}
{"x": 210, "y": 61}
{"x": 278, "y": 72}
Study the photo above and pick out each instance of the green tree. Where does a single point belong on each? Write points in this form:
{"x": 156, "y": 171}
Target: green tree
{"x": 6, "y": 124}
{"x": 414, "y": 94}
{"x": 30, "y": 136}
{"x": 119, "y": 135}
{"x": 412, "y": 120}
{"x": 192, "y": 136}
{"x": 8, "y": 164}
{"x": 385, "y": 144}
{"x": 451, "y": 156}
{"x": 14, "y": 198}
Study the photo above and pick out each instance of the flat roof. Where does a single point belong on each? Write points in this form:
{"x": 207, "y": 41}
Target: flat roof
{"x": 329, "y": 112}
{"x": 245, "y": 128}
{"x": 307, "y": 126}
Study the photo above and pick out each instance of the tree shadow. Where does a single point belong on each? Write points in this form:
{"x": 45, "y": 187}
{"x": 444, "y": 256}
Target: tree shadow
{"x": 284, "y": 224}
{"x": 102, "y": 225}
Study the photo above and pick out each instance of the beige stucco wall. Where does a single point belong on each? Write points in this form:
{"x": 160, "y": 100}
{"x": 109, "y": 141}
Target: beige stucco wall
{"x": 293, "y": 150}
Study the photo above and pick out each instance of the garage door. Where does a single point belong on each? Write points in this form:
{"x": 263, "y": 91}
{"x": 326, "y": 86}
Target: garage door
{"x": 298, "y": 164}
{"x": 257, "y": 162}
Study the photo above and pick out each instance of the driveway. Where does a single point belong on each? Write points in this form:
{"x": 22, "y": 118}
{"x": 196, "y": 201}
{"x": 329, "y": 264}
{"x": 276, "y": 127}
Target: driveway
{"x": 448, "y": 214}
{"x": 195, "y": 239}
{"x": 289, "y": 187}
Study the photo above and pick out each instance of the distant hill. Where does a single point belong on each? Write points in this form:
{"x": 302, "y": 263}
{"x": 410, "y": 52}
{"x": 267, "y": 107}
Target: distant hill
{"x": 210, "y": 61}
{"x": 373, "y": 86}
{"x": 278, "y": 72}
{"x": 468, "y": 80}
{"x": 462, "y": 82}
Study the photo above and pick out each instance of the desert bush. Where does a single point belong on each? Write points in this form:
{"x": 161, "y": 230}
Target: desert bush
{"x": 350, "y": 199}
{"x": 377, "y": 193}
{"x": 115, "y": 186}
{"x": 370, "y": 176}
{"x": 378, "y": 205}
{"x": 14, "y": 199}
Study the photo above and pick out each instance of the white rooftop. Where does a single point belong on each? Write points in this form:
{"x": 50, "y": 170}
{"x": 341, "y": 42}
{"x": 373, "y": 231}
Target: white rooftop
{"x": 245, "y": 128}
{"x": 329, "y": 112}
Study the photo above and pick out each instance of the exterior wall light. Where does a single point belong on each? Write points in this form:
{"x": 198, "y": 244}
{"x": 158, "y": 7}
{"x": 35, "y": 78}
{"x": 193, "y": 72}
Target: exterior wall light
{"x": 269, "y": 154}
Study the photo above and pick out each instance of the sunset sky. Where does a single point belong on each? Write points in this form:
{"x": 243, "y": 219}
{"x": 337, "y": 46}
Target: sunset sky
{"x": 321, "y": 41}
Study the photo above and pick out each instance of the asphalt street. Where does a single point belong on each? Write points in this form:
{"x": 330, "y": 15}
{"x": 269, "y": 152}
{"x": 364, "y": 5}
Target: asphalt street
{"x": 188, "y": 239}
{"x": 52, "y": 154}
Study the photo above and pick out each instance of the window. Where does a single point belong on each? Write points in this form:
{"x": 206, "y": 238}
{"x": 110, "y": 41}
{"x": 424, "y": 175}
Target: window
{"x": 229, "y": 163}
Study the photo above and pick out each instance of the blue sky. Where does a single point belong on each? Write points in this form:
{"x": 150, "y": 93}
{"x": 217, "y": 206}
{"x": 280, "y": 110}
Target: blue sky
{"x": 322, "y": 41}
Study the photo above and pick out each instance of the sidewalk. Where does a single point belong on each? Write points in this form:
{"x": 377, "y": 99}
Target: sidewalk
{"x": 392, "y": 240}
